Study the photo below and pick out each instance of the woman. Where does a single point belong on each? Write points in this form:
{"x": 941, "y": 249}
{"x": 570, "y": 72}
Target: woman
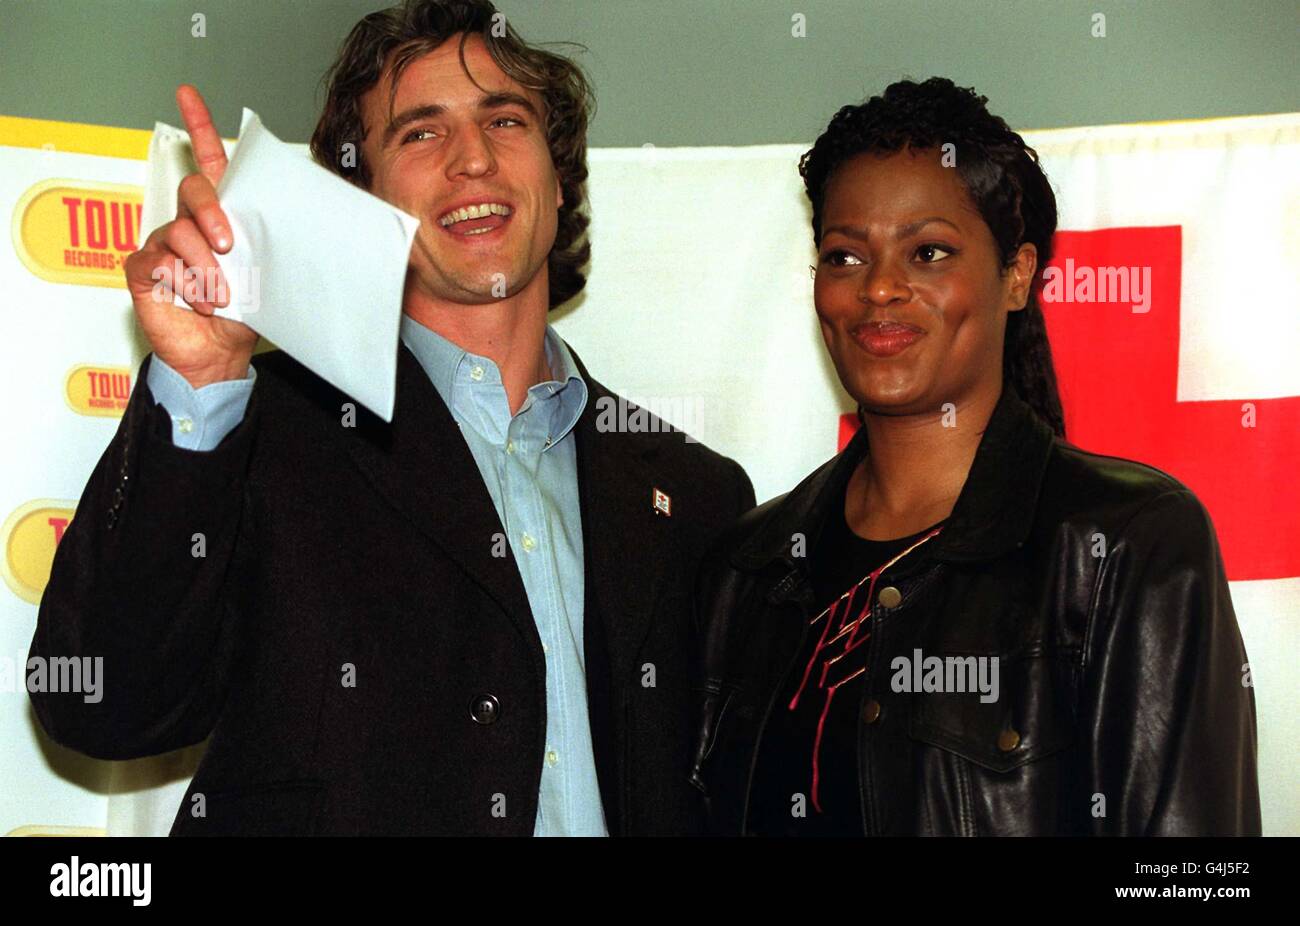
{"x": 962, "y": 624}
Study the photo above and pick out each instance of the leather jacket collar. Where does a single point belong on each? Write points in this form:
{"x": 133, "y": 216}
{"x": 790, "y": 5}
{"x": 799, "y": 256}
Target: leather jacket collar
{"x": 992, "y": 515}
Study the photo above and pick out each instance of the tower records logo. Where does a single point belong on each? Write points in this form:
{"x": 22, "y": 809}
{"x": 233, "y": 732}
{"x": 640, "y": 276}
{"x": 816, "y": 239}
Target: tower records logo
{"x": 29, "y": 537}
{"x": 100, "y": 391}
{"x": 75, "y": 231}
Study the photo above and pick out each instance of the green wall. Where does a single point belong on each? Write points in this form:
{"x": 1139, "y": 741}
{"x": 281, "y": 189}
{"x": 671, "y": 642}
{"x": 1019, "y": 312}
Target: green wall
{"x": 673, "y": 72}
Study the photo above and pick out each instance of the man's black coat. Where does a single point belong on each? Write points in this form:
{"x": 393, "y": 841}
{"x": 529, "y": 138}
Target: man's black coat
{"x": 348, "y": 617}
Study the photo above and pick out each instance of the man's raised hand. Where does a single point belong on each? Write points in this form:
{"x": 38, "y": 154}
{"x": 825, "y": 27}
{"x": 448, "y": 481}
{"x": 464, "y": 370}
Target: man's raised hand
{"x": 200, "y": 346}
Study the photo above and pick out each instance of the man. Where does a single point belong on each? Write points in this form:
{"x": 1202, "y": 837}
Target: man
{"x": 473, "y": 621}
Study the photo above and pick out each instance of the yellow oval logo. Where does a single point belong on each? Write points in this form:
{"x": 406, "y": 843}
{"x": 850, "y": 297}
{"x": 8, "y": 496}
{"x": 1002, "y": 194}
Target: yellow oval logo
{"x": 52, "y": 829}
{"x": 101, "y": 391}
{"x": 73, "y": 231}
{"x": 30, "y": 536}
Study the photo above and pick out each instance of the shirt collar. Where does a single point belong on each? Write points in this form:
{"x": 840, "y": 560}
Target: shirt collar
{"x": 456, "y": 374}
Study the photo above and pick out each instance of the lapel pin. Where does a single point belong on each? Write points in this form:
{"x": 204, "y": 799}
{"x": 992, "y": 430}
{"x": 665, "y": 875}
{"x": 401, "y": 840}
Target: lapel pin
{"x": 663, "y": 504}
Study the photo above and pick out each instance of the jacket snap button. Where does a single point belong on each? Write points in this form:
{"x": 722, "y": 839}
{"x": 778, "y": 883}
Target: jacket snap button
{"x": 889, "y": 597}
{"x": 871, "y": 711}
{"x": 1008, "y": 740}
{"x": 485, "y": 709}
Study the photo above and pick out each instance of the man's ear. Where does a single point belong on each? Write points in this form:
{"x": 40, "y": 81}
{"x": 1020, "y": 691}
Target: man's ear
{"x": 1021, "y": 273}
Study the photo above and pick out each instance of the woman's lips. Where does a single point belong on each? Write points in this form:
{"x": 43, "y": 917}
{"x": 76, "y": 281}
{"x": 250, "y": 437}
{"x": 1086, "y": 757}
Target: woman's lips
{"x": 885, "y": 339}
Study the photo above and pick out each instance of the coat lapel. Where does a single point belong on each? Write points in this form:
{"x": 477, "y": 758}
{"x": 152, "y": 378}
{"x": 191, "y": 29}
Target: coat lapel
{"x": 422, "y": 466}
{"x": 628, "y": 548}
{"x": 628, "y": 552}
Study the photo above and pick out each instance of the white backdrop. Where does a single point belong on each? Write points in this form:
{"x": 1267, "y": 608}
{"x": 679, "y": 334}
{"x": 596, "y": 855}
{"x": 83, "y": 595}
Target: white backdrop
{"x": 699, "y": 300}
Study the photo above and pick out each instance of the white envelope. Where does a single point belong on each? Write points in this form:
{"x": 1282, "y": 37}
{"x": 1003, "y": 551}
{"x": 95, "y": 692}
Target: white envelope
{"x": 318, "y": 265}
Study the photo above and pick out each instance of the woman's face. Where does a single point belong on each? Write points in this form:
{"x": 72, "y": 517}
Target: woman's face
{"x": 909, "y": 287}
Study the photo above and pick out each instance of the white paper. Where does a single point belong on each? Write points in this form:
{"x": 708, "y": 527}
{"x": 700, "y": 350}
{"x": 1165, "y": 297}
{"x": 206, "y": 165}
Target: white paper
{"x": 318, "y": 265}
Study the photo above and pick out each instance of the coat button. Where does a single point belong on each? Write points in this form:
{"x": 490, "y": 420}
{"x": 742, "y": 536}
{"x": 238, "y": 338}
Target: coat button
{"x": 871, "y": 711}
{"x": 1008, "y": 740}
{"x": 889, "y": 597}
{"x": 485, "y": 709}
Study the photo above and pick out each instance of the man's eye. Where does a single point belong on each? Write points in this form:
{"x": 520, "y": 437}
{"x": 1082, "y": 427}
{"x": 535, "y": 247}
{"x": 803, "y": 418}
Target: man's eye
{"x": 511, "y": 119}
{"x": 411, "y": 135}
{"x": 839, "y": 259}
{"x": 933, "y": 253}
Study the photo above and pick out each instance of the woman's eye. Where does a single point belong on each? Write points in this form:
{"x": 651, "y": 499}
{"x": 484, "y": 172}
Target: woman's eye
{"x": 839, "y": 259}
{"x": 933, "y": 253}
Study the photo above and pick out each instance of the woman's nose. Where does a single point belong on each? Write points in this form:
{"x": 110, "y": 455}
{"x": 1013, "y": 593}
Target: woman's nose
{"x": 883, "y": 283}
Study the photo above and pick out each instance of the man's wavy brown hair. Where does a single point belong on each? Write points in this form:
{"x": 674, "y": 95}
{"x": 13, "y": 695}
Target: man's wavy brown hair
{"x": 397, "y": 36}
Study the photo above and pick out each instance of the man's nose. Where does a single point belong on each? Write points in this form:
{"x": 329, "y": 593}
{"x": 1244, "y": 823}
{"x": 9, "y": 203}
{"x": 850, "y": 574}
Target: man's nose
{"x": 471, "y": 154}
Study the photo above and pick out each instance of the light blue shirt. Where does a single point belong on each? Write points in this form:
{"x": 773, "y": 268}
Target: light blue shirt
{"x": 528, "y": 463}
{"x": 200, "y": 417}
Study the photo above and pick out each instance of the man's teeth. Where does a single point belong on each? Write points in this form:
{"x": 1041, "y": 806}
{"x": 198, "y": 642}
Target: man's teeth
{"x": 480, "y": 211}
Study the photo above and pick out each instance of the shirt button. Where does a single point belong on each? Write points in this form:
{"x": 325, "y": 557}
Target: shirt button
{"x": 510, "y": 446}
{"x": 552, "y": 758}
{"x": 476, "y": 373}
{"x": 548, "y": 440}
{"x": 889, "y": 597}
{"x": 1008, "y": 740}
{"x": 544, "y": 649}
{"x": 186, "y": 425}
{"x": 528, "y": 542}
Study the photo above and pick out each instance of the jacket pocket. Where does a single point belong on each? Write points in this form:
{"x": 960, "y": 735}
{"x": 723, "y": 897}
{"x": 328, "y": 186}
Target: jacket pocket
{"x": 723, "y": 753}
{"x": 994, "y": 765}
{"x": 717, "y": 706}
{"x": 281, "y": 808}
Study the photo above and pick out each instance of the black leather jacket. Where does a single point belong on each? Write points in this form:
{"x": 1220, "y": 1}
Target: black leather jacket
{"x": 1099, "y": 585}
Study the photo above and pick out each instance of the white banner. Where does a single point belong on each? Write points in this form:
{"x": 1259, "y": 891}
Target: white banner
{"x": 699, "y": 306}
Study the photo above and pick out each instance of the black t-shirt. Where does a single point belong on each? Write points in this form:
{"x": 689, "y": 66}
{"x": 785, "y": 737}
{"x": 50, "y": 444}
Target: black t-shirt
{"x": 785, "y": 770}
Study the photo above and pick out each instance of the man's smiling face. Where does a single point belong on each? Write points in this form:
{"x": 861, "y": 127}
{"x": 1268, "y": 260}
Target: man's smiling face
{"x": 472, "y": 164}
